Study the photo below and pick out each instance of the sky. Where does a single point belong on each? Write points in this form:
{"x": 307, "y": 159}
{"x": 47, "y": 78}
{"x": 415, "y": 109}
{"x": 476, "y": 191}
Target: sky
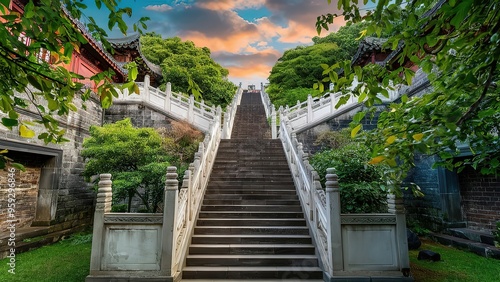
{"x": 245, "y": 36}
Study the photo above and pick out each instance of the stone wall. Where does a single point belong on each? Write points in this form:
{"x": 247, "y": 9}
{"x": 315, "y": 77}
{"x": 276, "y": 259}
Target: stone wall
{"x": 309, "y": 136}
{"x": 65, "y": 199}
{"x": 139, "y": 114}
{"x": 439, "y": 208}
{"x": 26, "y": 187}
{"x": 480, "y": 199}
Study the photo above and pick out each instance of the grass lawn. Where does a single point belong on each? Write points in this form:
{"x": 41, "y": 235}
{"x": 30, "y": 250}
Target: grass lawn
{"x": 455, "y": 266}
{"x": 65, "y": 261}
{"x": 69, "y": 260}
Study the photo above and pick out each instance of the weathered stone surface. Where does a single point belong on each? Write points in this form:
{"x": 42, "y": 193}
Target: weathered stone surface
{"x": 413, "y": 241}
{"x": 140, "y": 115}
{"x": 67, "y": 197}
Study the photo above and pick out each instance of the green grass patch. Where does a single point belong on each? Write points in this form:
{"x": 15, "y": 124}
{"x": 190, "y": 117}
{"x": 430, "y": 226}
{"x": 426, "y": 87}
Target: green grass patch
{"x": 455, "y": 266}
{"x": 67, "y": 260}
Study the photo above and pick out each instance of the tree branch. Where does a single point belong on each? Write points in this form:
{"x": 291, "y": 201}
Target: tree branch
{"x": 476, "y": 104}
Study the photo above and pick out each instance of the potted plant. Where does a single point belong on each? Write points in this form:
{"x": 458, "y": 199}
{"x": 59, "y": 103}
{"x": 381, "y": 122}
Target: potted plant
{"x": 496, "y": 235}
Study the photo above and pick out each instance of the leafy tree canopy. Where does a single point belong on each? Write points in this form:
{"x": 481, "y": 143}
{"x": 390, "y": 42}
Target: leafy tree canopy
{"x": 28, "y": 82}
{"x": 298, "y": 67}
{"x": 187, "y": 66}
{"x": 457, "y": 43}
{"x": 138, "y": 158}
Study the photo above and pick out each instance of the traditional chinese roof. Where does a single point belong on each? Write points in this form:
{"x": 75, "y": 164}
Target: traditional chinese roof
{"x": 97, "y": 47}
{"x": 367, "y": 47}
{"x": 133, "y": 43}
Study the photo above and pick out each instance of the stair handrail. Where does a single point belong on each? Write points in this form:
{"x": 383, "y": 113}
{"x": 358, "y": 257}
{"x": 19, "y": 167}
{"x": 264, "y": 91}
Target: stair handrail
{"x": 230, "y": 114}
{"x": 177, "y": 105}
{"x": 308, "y": 186}
{"x": 270, "y": 110}
{"x": 192, "y": 191}
{"x": 315, "y": 110}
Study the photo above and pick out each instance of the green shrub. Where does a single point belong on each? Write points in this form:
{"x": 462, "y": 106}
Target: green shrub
{"x": 360, "y": 184}
{"x": 416, "y": 226}
{"x": 119, "y": 208}
{"x": 363, "y": 197}
{"x": 333, "y": 139}
{"x": 350, "y": 162}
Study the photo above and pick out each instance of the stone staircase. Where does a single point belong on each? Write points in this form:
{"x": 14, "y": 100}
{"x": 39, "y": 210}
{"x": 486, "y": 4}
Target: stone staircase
{"x": 251, "y": 224}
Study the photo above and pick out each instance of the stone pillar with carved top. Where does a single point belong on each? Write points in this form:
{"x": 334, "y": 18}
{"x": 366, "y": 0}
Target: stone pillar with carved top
{"x": 274, "y": 132}
{"x": 169, "y": 222}
{"x": 395, "y": 206}
{"x": 334, "y": 226}
{"x": 103, "y": 206}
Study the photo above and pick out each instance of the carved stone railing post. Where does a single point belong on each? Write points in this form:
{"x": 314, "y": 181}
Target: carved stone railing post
{"x": 274, "y": 133}
{"x": 146, "y": 89}
{"x": 309, "y": 108}
{"x": 186, "y": 184}
{"x": 396, "y": 206}
{"x": 103, "y": 205}
{"x": 334, "y": 227}
{"x": 191, "y": 109}
{"x": 168, "y": 95}
{"x": 169, "y": 222}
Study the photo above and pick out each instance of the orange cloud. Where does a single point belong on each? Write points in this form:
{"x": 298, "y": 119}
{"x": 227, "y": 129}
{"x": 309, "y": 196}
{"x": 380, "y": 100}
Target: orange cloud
{"x": 234, "y": 43}
{"x": 217, "y": 5}
{"x": 251, "y": 74}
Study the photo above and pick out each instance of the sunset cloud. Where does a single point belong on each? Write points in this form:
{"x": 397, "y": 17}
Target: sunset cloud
{"x": 245, "y": 36}
{"x": 230, "y": 4}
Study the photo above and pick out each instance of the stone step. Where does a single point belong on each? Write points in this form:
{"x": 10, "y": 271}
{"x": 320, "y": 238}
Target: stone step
{"x": 250, "y": 197}
{"x": 250, "y": 239}
{"x": 241, "y": 249}
{"x": 251, "y": 260}
{"x": 253, "y": 178}
{"x": 238, "y": 190}
{"x": 242, "y": 166}
{"x": 250, "y": 185}
{"x": 249, "y": 214}
{"x": 252, "y": 230}
{"x": 251, "y": 222}
{"x": 251, "y": 202}
{"x": 254, "y": 160}
{"x": 482, "y": 249}
{"x": 300, "y": 272}
{"x": 275, "y": 208}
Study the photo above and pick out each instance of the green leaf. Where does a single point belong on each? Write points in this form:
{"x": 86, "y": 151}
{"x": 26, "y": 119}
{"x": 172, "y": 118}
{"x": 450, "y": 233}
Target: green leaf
{"x": 28, "y": 10}
{"x": 461, "y": 12}
{"x": 53, "y": 104}
{"x": 13, "y": 115}
{"x": 18, "y": 166}
{"x": 9, "y": 122}
{"x": 34, "y": 81}
{"x": 355, "y": 131}
{"x": 359, "y": 72}
{"x": 359, "y": 116}
{"x": 132, "y": 72}
{"x": 4, "y": 5}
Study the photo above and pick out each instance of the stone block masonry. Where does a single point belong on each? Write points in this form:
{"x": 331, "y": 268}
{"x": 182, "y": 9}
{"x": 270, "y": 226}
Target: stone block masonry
{"x": 139, "y": 114}
{"x": 52, "y": 192}
{"x": 480, "y": 199}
